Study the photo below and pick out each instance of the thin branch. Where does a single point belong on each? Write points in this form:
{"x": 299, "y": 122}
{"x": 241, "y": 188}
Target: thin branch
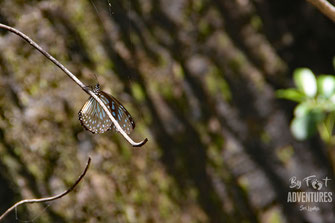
{"x": 325, "y": 7}
{"x": 77, "y": 81}
{"x": 41, "y": 200}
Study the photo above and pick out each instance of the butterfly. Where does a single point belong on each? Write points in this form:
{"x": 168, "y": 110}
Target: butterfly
{"x": 94, "y": 119}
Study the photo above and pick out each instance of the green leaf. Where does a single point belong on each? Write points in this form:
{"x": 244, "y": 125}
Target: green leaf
{"x": 305, "y": 126}
{"x": 302, "y": 109}
{"x": 305, "y": 81}
{"x": 291, "y": 94}
{"x": 326, "y": 85}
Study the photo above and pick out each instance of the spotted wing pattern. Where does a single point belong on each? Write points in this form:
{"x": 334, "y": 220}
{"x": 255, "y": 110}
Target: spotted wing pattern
{"x": 94, "y": 119}
{"x": 119, "y": 112}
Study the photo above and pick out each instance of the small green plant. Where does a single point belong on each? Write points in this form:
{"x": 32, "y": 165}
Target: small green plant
{"x": 316, "y": 109}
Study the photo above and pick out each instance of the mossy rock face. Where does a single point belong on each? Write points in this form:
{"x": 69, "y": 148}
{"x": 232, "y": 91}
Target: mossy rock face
{"x": 198, "y": 77}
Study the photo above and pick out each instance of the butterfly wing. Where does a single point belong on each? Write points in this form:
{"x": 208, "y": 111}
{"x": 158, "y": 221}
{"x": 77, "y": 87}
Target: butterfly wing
{"x": 94, "y": 119}
{"x": 119, "y": 112}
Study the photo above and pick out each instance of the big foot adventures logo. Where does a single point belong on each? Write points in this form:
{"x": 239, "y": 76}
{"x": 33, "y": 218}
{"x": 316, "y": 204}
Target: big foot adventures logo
{"x": 308, "y": 199}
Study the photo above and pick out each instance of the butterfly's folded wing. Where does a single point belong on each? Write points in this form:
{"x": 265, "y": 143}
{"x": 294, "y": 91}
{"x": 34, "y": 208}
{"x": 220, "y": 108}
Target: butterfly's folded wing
{"x": 95, "y": 119}
{"x": 119, "y": 112}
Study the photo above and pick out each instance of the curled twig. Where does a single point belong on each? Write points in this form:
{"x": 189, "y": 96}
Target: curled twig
{"x": 325, "y": 7}
{"x": 77, "y": 81}
{"x": 46, "y": 199}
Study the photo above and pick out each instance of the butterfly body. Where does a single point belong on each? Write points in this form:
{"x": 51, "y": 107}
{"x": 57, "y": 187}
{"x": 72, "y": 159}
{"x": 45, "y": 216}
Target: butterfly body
{"x": 94, "y": 119}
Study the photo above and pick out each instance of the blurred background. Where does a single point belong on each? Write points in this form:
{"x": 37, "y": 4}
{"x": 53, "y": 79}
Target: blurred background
{"x": 198, "y": 76}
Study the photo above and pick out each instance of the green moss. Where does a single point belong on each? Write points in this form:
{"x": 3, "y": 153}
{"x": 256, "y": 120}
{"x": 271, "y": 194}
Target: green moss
{"x": 285, "y": 153}
{"x": 256, "y": 22}
{"x": 217, "y": 84}
{"x": 137, "y": 92}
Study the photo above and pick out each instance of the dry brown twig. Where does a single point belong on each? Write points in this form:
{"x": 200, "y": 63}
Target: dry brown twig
{"x": 46, "y": 199}
{"x": 77, "y": 81}
{"x": 325, "y": 7}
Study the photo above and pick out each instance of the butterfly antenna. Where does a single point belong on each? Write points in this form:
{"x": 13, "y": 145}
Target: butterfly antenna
{"x": 96, "y": 78}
